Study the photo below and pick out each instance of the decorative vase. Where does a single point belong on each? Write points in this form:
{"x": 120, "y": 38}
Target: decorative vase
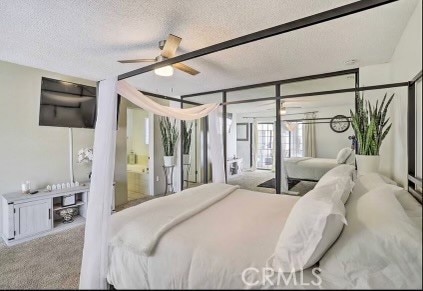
{"x": 169, "y": 161}
{"x": 186, "y": 159}
{"x": 367, "y": 164}
{"x": 68, "y": 214}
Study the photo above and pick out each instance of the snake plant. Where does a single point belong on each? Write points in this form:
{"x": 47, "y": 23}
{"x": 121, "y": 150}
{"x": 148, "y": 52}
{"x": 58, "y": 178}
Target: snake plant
{"x": 186, "y": 135}
{"x": 170, "y": 135}
{"x": 370, "y": 124}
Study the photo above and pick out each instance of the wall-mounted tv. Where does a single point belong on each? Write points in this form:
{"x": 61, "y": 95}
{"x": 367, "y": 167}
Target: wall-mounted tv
{"x": 66, "y": 104}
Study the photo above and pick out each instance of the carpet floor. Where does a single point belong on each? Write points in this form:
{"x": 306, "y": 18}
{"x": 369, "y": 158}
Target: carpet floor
{"x": 51, "y": 262}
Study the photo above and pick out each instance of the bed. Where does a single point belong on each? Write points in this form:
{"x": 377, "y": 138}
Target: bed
{"x": 306, "y": 168}
{"x": 209, "y": 239}
{"x": 199, "y": 252}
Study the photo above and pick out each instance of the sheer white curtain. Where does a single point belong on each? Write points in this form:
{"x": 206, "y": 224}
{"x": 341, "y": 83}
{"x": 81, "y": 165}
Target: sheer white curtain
{"x": 309, "y": 136}
{"x": 216, "y": 146}
{"x": 95, "y": 254}
{"x": 254, "y": 146}
{"x": 132, "y": 94}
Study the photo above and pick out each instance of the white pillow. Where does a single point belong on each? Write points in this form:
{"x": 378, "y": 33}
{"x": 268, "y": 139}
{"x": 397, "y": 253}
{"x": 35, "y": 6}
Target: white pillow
{"x": 339, "y": 171}
{"x": 369, "y": 181}
{"x": 380, "y": 248}
{"x": 343, "y": 155}
{"x": 313, "y": 225}
{"x": 345, "y": 185}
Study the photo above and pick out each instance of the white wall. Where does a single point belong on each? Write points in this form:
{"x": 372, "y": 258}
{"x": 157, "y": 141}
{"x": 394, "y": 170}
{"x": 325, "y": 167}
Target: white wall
{"x": 328, "y": 142}
{"x": 406, "y": 62}
{"x": 136, "y": 139}
{"x": 29, "y": 151}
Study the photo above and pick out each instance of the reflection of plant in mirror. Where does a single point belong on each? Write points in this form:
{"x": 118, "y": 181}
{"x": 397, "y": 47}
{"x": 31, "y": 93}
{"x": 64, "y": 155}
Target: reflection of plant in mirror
{"x": 369, "y": 124}
{"x": 186, "y": 135}
{"x": 170, "y": 135}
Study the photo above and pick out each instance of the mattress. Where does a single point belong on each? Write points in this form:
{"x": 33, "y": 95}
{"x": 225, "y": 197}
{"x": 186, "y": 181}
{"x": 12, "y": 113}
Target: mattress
{"x": 308, "y": 168}
{"x": 210, "y": 250}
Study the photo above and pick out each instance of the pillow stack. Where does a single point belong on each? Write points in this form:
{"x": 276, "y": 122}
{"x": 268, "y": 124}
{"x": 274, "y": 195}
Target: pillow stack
{"x": 382, "y": 245}
{"x": 314, "y": 224}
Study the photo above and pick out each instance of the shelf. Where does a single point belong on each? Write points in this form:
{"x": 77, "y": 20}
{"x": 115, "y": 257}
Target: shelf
{"x": 77, "y": 220}
{"x": 60, "y": 207}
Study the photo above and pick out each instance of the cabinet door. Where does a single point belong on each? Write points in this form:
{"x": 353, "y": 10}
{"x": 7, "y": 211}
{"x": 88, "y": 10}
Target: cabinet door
{"x": 32, "y": 218}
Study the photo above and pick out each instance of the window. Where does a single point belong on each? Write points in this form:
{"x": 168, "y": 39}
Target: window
{"x": 265, "y": 146}
{"x": 292, "y": 141}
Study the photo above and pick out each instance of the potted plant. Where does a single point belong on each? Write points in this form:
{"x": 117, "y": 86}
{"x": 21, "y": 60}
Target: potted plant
{"x": 370, "y": 125}
{"x": 170, "y": 135}
{"x": 186, "y": 135}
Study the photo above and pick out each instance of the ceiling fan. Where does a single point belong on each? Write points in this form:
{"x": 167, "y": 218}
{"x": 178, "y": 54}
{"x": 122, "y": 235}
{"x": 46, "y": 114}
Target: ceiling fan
{"x": 168, "y": 49}
{"x": 283, "y": 107}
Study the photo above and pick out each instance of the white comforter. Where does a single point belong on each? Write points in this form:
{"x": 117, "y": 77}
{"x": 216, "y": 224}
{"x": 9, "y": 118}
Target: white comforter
{"x": 210, "y": 249}
{"x": 308, "y": 168}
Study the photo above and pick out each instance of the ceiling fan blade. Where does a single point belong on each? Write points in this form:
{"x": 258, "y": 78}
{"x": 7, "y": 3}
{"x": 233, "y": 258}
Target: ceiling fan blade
{"x": 171, "y": 45}
{"x": 136, "y": 61}
{"x": 185, "y": 68}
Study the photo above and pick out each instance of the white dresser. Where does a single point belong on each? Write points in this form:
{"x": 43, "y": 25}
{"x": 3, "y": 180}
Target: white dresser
{"x": 28, "y": 216}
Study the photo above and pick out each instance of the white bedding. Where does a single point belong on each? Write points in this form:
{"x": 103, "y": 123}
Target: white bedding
{"x": 150, "y": 221}
{"x": 200, "y": 251}
{"x": 308, "y": 168}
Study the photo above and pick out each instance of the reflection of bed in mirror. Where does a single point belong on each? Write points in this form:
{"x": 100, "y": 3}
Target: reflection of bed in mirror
{"x": 307, "y": 168}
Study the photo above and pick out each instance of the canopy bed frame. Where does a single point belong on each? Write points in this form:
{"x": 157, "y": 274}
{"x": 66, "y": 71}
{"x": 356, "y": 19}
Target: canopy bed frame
{"x": 315, "y": 19}
{"x": 95, "y": 256}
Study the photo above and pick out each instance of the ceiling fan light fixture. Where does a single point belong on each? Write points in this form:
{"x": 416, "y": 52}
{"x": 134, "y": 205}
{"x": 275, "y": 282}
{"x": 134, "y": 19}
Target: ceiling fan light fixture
{"x": 283, "y": 110}
{"x": 166, "y": 71}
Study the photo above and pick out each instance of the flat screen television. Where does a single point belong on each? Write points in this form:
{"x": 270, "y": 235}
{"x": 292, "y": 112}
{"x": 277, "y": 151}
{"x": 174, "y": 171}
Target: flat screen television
{"x": 66, "y": 104}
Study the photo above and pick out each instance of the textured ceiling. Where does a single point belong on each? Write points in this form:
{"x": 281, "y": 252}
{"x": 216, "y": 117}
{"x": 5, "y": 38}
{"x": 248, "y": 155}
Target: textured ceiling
{"x": 85, "y": 38}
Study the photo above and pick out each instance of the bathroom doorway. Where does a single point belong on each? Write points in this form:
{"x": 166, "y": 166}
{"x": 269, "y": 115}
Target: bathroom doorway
{"x": 138, "y": 153}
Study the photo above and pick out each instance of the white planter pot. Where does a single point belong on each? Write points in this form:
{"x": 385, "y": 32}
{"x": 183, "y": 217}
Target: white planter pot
{"x": 367, "y": 164}
{"x": 169, "y": 161}
{"x": 186, "y": 159}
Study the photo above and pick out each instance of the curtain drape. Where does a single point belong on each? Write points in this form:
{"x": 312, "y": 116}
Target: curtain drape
{"x": 283, "y": 174}
{"x": 95, "y": 254}
{"x": 216, "y": 146}
{"x": 132, "y": 94}
{"x": 254, "y": 145}
{"x": 309, "y": 136}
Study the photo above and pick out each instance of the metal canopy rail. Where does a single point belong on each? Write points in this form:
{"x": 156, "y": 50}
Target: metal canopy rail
{"x": 278, "y": 82}
{"x": 325, "y": 16}
{"x": 320, "y": 93}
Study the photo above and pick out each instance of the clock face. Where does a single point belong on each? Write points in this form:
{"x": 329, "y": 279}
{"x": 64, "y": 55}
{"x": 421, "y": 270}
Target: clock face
{"x": 339, "y": 123}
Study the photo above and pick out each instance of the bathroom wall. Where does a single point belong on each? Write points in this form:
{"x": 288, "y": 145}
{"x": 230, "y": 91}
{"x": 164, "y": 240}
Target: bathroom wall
{"x": 137, "y": 141}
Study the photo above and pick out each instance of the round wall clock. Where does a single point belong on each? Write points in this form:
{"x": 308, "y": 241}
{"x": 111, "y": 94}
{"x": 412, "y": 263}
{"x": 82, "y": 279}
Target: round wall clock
{"x": 339, "y": 123}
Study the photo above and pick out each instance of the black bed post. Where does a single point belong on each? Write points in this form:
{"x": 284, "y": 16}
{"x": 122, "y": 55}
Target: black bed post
{"x": 182, "y": 148}
{"x": 413, "y": 182}
{"x": 357, "y": 95}
{"x": 278, "y": 140}
{"x": 224, "y": 133}
{"x": 205, "y": 150}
